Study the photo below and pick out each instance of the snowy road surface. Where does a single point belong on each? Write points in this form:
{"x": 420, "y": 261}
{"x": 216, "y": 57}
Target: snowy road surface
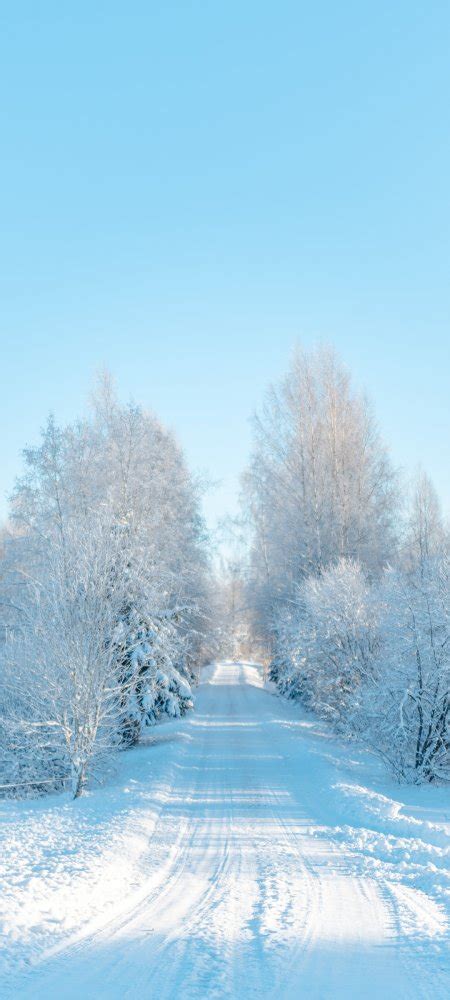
{"x": 258, "y": 878}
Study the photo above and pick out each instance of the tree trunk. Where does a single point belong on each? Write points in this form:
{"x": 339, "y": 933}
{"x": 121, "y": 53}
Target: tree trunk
{"x": 77, "y": 779}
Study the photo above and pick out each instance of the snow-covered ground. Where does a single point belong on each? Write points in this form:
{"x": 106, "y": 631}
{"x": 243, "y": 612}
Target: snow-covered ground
{"x": 246, "y": 854}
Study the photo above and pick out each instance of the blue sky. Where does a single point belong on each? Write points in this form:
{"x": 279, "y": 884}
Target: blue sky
{"x": 188, "y": 189}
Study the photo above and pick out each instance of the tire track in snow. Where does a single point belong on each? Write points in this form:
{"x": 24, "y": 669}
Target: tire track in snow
{"x": 249, "y": 901}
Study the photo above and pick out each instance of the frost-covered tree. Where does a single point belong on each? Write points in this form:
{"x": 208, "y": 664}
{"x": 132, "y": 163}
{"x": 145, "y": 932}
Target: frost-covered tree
{"x": 319, "y": 486}
{"x": 61, "y": 682}
{"x": 426, "y": 536}
{"x": 350, "y": 597}
{"x": 120, "y": 468}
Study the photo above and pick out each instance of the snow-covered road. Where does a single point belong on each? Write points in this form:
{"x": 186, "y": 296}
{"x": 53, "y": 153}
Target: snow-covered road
{"x": 259, "y": 879}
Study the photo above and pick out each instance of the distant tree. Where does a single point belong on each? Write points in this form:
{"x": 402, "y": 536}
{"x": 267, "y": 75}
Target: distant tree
{"x": 426, "y": 536}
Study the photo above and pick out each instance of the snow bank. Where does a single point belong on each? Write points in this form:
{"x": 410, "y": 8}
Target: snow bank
{"x": 66, "y": 864}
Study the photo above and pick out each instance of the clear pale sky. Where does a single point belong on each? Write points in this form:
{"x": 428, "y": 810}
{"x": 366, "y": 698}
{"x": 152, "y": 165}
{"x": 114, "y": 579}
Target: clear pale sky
{"x": 187, "y": 189}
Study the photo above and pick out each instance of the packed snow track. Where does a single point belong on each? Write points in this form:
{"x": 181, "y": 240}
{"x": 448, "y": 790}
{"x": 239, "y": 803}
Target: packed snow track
{"x": 249, "y": 889}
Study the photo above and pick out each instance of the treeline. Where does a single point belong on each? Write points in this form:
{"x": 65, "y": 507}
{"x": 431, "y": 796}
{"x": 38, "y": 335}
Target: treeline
{"x": 104, "y": 595}
{"x": 348, "y": 582}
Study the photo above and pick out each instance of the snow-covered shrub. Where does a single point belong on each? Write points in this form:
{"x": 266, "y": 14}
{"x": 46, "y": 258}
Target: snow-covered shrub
{"x": 341, "y": 638}
{"x": 404, "y": 713}
{"x": 375, "y": 660}
{"x": 328, "y": 641}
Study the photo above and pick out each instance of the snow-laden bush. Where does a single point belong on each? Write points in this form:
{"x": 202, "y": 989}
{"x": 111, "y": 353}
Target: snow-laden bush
{"x": 328, "y": 640}
{"x": 404, "y": 712}
{"x": 375, "y": 660}
{"x": 341, "y": 637}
